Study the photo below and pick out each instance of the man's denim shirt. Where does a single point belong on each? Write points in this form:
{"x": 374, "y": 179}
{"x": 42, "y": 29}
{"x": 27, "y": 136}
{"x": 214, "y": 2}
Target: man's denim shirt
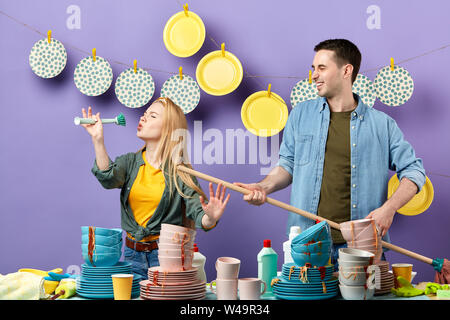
{"x": 377, "y": 146}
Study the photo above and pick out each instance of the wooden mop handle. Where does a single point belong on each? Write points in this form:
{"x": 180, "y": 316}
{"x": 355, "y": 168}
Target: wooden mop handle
{"x": 305, "y": 214}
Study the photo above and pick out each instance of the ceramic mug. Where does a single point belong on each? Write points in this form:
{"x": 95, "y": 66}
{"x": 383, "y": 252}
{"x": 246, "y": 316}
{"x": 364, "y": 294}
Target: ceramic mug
{"x": 226, "y": 289}
{"x": 250, "y": 288}
{"x": 227, "y": 268}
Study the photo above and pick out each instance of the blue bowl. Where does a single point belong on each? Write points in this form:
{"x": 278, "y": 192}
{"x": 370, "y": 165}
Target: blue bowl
{"x": 103, "y": 249}
{"x": 102, "y": 231}
{"x": 315, "y": 259}
{"x": 318, "y": 232}
{"x": 103, "y": 240}
{"x": 103, "y": 260}
{"x": 316, "y": 247}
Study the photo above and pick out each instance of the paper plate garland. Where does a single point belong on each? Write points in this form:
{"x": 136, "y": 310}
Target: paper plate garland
{"x": 264, "y": 114}
{"x": 184, "y": 92}
{"x": 184, "y": 34}
{"x": 303, "y": 91}
{"x": 419, "y": 203}
{"x": 393, "y": 87}
{"x": 219, "y": 72}
{"x": 93, "y": 78}
{"x": 134, "y": 89}
{"x": 365, "y": 89}
{"x": 47, "y": 60}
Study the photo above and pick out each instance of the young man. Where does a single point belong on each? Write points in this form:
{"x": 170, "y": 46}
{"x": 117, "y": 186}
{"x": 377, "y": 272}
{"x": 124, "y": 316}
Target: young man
{"x": 337, "y": 152}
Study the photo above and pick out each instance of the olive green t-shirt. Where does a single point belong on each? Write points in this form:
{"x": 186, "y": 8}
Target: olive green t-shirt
{"x": 334, "y": 203}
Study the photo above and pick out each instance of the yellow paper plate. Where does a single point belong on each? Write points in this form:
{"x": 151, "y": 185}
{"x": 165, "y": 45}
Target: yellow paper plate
{"x": 184, "y": 35}
{"x": 264, "y": 115}
{"x": 419, "y": 203}
{"x": 219, "y": 74}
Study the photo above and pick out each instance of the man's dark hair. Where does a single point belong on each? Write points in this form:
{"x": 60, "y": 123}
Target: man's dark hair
{"x": 345, "y": 52}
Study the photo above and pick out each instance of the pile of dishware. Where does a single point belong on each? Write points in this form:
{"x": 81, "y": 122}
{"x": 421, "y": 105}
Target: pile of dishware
{"x": 97, "y": 283}
{"x": 310, "y": 277}
{"x": 174, "y": 278}
{"x": 384, "y": 279}
{"x": 305, "y": 283}
{"x": 101, "y": 247}
{"x": 176, "y": 247}
{"x": 312, "y": 246}
{"x": 363, "y": 234}
{"x": 356, "y": 274}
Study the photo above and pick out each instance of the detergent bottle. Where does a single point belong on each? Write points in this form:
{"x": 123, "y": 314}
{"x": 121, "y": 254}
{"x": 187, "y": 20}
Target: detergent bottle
{"x": 295, "y": 231}
{"x": 267, "y": 265}
{"x": 199, "y": 261}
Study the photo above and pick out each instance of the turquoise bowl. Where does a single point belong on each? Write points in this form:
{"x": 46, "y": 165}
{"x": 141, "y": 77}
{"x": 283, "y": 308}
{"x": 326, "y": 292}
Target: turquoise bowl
{"x": 103, "y": 240}
{"x": 102, "y": 231}
{"x": 102, "y": 260}
{"x": 103, "y": 249}
{"x": 315, "y": 259}
{"x": 316, "y": 247}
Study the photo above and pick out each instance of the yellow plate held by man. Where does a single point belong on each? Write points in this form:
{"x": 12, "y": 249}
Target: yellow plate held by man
{"x": 184, "y": 34}
{"x": 264, "y": 113}
{"x": 419, "y": 203}
{"x": 219, "y": 72}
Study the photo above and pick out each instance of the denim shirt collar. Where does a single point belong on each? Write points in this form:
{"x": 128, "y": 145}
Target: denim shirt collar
{"x": 358, "y": 112}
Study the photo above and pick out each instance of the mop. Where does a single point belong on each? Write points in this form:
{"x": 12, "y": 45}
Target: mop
{"x": 442, "y": 266}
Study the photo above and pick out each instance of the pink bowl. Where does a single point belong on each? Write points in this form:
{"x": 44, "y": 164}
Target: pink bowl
{"x": 175, "y": 253}
{"x": 357, "y": 224}
{"x": 163, "y": 245}
{"x": 175, "y": 240}
{"x": 174, "y": 263}
{"x": 363, "y": 243}
{"x": 174, "y": 228}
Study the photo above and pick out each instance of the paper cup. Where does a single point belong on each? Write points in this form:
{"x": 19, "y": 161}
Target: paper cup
{"x": 401, "y": 269}
{"x": 122, "y": 284}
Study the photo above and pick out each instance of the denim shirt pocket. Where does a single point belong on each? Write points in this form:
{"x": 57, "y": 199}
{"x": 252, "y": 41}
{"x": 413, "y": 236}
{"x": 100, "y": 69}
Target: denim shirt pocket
{"x": 303, "y": 149}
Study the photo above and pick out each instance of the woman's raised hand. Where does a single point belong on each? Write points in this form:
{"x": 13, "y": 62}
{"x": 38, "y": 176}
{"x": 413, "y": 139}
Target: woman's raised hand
{"x": 95, "y": 130}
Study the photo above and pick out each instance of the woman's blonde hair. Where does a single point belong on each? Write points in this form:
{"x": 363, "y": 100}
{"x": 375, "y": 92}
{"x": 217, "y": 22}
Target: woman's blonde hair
{"x": 172, "y": 150}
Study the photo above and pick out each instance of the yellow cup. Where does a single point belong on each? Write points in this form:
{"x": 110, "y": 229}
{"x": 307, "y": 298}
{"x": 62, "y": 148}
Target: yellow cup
{"x": 401, "y": 269}
{"x": 122, "y": 284}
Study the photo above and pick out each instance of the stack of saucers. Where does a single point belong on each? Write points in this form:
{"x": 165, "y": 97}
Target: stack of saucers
{"x": 96, "y": 282}
{"x": 305, "y": 283}
{"x": 172, "y": 285}
{"x": 312, "y": 246}
{"x": 175, "y": 247}
{"x": 384, "y": 280}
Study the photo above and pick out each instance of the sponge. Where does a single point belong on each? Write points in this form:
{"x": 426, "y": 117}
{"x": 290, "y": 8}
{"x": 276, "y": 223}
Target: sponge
{"x": 443, "y": 294}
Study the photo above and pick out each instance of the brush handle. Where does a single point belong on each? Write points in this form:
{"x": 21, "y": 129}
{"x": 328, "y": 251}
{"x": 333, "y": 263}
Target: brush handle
{"x": 79, "y": 121}
{"x": 298, "y": 211}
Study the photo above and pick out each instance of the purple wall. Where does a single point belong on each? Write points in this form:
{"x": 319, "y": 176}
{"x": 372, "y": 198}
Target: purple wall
{"x": 47, "y": 189}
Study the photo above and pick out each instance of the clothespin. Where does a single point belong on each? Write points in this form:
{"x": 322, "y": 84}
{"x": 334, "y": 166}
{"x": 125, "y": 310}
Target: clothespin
{"x": 49, "y": 35}
{"x": 94, "y": 54}
{"x": 181, "y": 73}
{"x": 310, "y": 77}
{"x": 392, "y": 64}
{"x": 135, "y": 65}
{"x": 268, "y": 90}
{"x": 186, "y": 9}
{"x": 223, "y": 49}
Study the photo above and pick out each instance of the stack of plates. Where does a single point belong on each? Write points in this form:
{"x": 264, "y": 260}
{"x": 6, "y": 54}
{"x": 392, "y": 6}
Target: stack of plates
{"x": 172, "y": 285}
{"x": 96, "y": 282}
{"x": 315, "y": 284}
{"x": 385, "y": 281}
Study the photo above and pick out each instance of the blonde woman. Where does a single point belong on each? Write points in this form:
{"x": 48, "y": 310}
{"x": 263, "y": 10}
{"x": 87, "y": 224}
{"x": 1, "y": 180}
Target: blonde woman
{"x": 153, "y": 190}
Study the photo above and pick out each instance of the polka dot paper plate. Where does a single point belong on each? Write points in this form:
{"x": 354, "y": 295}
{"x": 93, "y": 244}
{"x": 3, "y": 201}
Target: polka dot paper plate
{"x": 134, "y": 90}
{"x": 219, "y": 73}
{"x": 394, "y": 87}
{"x": 365, "y": 89}
{"x": 419, "y": 203}
{"x": 47, "y": 60}
{"x": 184, "y": 34}
{"x": 184, "y": 92}
{"x": 264, "y": 115}
{"x": 303, "y": 91}
{"x": 93, "y": 78}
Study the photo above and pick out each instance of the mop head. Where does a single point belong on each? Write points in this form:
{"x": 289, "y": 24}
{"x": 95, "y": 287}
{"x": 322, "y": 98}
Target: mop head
{"x": 443, "y": 275}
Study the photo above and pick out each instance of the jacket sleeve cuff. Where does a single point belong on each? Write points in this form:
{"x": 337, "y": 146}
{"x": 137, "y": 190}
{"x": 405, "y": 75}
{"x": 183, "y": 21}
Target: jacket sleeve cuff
{"x": 415, "y": 176}
{"x": 286, "y": 165}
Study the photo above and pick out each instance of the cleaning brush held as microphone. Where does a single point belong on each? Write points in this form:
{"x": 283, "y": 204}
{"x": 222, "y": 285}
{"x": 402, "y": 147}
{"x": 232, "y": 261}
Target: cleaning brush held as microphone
{"x": 119, "y": 120}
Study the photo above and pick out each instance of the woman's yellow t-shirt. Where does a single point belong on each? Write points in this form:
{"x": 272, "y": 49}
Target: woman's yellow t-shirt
{"x": 145, "y": 195}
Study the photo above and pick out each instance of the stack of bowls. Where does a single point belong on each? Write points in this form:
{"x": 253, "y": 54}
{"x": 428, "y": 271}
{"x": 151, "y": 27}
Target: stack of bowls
{"x": 312, "y": 246}
{"x": 175, "y": 247}
{"x": 354, "y": 273}
{"x": 106, "y": 246}
{"x": 363, "y": 234}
